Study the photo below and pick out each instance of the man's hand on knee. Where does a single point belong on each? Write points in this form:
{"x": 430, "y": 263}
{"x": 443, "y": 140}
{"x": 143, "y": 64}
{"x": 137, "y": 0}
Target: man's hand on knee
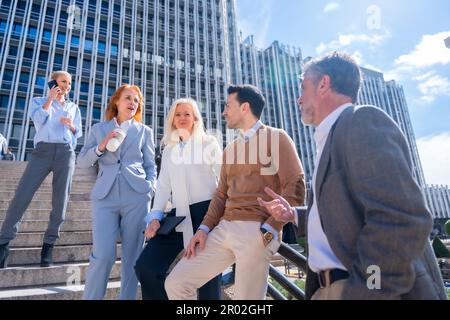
{"x": 198, "y": 239}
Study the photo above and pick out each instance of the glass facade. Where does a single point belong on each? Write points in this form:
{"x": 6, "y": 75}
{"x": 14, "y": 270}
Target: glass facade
{"x": 170, "y": 48}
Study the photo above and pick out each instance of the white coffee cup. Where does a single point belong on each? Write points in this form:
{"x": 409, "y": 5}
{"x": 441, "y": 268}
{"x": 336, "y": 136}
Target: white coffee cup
{"x": 114, "y": 143}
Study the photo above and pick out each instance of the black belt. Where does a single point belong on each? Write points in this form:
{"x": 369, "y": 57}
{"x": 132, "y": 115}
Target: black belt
{"x": 333, "y": 275}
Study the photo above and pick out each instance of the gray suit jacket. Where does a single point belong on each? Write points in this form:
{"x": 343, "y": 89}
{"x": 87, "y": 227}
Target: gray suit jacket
{"x": 372, "y": 210}
{"x": 135, "y": 159}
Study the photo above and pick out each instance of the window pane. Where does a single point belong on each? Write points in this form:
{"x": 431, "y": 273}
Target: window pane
{"x": 61, "y": 38}
{"x": 17, "y": 130}
{"x": 24, "y": 77}
{"x": 40, "y": 81}
{"x": 88, "y": 45}
{"x": 75, "y": 41}
{"x": 20, "y": 104}
{"x": 47, "y": 35}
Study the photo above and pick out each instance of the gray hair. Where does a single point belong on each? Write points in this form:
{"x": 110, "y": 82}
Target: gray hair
{"x": 342, "y": 69}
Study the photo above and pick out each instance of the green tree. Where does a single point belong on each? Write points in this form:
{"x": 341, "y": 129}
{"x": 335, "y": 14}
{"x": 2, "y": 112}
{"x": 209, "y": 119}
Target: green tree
{"x": 440, "y": 250}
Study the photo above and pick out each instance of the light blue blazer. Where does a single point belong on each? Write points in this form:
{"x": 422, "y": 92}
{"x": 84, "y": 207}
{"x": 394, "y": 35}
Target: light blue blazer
{"x": 135, "y": 159}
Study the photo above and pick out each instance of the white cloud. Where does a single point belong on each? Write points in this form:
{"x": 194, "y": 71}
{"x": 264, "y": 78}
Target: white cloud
{"x": 432, "y": 86}
{"x": 372, "y": 67}
{"x": 257, "y": 23}
{"x": 434, "y": 154}
{"x": 331, "y": 6}
{"x": 357, "y": 56}
{"x": 346, "y": 40}
{"x": 430, "y": 51}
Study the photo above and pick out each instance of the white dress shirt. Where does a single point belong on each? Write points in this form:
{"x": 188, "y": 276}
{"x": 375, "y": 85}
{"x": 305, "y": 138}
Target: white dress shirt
{"x": 321, "y": 256}
{"x": 189, "y": 174}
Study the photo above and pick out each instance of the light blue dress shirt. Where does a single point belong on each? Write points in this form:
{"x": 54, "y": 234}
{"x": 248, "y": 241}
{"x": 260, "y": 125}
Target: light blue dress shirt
{"x": 48, "y": 125}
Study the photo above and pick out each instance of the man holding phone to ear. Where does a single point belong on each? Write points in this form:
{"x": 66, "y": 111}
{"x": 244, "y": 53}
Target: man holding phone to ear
{"x": 58, "y": 126}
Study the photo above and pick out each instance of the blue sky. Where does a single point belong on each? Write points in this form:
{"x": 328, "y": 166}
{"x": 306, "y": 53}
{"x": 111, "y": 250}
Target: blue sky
{"x": 401, "y": 38}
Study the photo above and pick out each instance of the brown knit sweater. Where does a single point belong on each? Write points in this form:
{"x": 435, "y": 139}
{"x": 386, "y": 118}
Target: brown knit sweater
{"x": 268, "y": 159}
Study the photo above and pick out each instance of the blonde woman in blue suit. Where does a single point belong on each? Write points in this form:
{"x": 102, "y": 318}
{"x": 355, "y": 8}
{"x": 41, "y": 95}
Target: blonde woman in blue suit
{"x": 122, "y": 193}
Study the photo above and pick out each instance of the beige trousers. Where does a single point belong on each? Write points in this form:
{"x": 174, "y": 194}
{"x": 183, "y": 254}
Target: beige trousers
{"x": 230, "y": 241}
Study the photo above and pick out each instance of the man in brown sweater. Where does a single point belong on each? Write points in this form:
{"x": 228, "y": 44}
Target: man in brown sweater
{"x": 236, "y": 229}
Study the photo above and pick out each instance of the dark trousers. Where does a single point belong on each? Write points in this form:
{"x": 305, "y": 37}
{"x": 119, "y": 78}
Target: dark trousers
{"x": 153, "y": 263}
{"x": 155, "y": 260}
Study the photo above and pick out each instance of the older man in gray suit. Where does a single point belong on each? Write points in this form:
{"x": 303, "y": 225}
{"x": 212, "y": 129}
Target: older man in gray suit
{"x": 367, "y": 224}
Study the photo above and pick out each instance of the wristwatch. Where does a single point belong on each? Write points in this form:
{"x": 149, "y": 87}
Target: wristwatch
{"x": 268, "y": 236}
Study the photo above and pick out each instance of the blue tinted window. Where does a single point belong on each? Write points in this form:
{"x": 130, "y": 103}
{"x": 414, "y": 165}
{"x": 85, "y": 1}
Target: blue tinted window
{"x": 72, "y": 61}
{"x": 75, "y": 41}
{"x": 98, "y": 89}
{"x": 47, "y": 35}
{"x": 24, "y": 77}
{"x": 3, "y": 26}
{"x": 83, "y": 111}
{"x": 84, "y": 88}
{"x": 28, "y": 53}
{"x": 20, "y": 103}
{"x": 8, "y": 75}
{"x": 17, "y": 27}
{"x": 96, "y": 112}
{"x": 22, "y": 5}
{"x": 88, "y": 45}
{"x": 32, "y": 32}
{"x": 36, "y": 8}
{"x": 61, "y": 37}
{"x": 40, "y": 81}
{"x": 4, "y": 100}
{"x": 114, "y": 50}
{"x": 101, "y": 47}
{"x": 58, "y": 59}
{"x": 50, "y": 12}
{"x": 43, "y": 56}
{"x": 13, "y": 51}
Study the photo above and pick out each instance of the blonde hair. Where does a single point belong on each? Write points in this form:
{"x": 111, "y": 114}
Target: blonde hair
{"x": 170, "y": 137}
{"x": 56, "y": 74}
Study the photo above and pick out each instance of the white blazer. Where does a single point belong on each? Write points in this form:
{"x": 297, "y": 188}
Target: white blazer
{"x": 190, "y": 174}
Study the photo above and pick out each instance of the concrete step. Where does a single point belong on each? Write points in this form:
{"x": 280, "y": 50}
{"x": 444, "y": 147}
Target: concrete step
{"x": 60, "y": 293}
{"x": 61, "y": 254}
{"x": 41, "y": 225}
{"x": 40, "y": 204}
{"x": 75, "y": 188}
{"x": 14, "y": 173}
{"x": 39, "y": 195}
{"x": 23, "y": 164}
{"x": 48, "y": 187}
{"x": 35, "y": 239}
{"x": 69, "y": 274}
{"x": 48, "y": 181}
{"x": 43, "y": 214}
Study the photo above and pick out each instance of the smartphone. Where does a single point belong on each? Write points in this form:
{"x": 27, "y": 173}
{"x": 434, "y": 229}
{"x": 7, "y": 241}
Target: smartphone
{"x": 52, "y": 83}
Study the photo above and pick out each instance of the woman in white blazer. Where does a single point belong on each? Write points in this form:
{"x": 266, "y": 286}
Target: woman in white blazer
{"x": 190, "y": 168}
{"x": 122, "y": 193}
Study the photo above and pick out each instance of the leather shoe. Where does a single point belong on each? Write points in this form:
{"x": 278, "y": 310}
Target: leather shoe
{"x": 46, "y": 255}
{"x": 4, "y": 253}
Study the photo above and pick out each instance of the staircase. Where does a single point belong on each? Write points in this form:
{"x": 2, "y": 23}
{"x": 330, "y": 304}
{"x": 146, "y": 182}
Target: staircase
{"x": 24, "y": 279}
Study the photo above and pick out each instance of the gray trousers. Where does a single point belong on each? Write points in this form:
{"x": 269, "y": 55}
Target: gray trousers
{"x": 58, "y": 158}
{"x": 120, "y": 214}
